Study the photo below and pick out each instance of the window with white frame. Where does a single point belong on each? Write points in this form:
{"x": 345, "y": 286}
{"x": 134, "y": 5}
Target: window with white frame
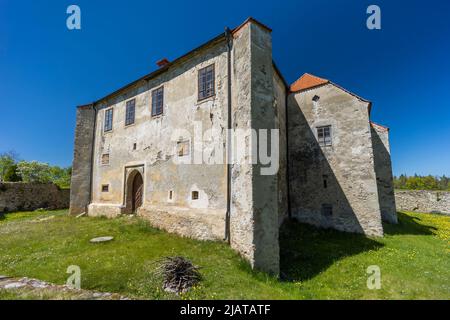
{"x": 324, "y": 136}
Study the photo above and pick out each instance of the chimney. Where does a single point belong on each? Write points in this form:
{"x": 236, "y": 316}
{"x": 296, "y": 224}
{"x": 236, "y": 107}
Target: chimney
{"x": 163, "y": 62}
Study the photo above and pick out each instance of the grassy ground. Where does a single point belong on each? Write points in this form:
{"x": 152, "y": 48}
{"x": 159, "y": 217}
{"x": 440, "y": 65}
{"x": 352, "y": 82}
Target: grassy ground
{"x": 414, "y": 258}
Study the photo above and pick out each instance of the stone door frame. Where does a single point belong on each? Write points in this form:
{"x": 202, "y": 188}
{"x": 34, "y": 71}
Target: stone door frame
{"x": 130, "y": 173}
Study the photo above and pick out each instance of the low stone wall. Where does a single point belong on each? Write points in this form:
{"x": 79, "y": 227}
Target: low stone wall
{"x": 201, "y": 224}
{"x": 423, "y": 201}
{"x": 31, "y": 196}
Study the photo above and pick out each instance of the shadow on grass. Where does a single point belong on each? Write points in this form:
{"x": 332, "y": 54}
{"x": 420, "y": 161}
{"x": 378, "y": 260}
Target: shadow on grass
{"x": 407, "y": 225}
{"x": 305, "y": 251}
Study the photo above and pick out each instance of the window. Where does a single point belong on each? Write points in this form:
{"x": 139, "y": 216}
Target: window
{"x": 108, "y": 120}
{"x": 157, "y": 101}
{"x": 206, "y": 82}
{"x": 105, "y": 188}
{"x": 325, "y": 181}
{"x": 183, "y": 148}
{"x": 194, "y": 195}
{"x": 327, "y": 210}
{"x": 170, "y": 195}
{"x": 316, "y": 98}
{"x": 324, "y": 136}
{"x": 105, "y": 159}
{"x": 134, "y": 146}
{"x": 129, "y": 112}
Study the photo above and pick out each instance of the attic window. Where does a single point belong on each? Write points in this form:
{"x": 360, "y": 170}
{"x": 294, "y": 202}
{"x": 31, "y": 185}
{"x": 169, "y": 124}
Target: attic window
{"x": 316, "y": 98}
{"x": 194, "y": 195}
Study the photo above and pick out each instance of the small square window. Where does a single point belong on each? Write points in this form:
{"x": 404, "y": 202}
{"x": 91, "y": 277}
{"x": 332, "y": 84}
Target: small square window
{"x": 316, "y": 98}
{"x": 105, "y": 188}
{"x": 324, "y": 136}
{"x": 194, "y": 195}
{"x": 108, "y": 120}
{"x": 327, "y": 210}
{"x": 105, "y": 159}
{"x": 182, "y": 148}
{"x": 130, "y": 112}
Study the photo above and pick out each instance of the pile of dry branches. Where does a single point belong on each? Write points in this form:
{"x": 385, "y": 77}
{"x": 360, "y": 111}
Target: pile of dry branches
{"x": 179, "y": 274}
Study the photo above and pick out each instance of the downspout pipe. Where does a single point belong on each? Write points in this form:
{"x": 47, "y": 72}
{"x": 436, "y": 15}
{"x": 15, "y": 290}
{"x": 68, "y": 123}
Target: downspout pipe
{"x": 229, "y": 38}
{"x": 91, "y": 175}
{"x": 288, "y": 183}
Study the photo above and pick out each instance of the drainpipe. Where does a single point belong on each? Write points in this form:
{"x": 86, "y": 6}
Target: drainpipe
{"x": 91, "y": 176}
{"x": 288, "y": 184}
{"x": 229, "y": 38}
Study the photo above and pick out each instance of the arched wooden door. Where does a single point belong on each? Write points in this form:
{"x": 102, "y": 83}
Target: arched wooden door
{"x": 137, "y": 193}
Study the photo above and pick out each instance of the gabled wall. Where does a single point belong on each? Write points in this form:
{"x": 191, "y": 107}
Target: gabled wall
{"x": 347, "y": 165}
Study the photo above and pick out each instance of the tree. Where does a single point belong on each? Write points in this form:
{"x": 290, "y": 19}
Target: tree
{"x": 11, "y": 174}
{"x": 7, "y": 160}
{"x": 34, "y": 172}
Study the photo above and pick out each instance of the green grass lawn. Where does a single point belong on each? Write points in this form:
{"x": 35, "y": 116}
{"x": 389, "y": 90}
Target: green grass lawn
{"x": 414, "y": 258}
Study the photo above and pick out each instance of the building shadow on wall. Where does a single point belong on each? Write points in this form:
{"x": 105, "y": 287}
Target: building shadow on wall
{"x": 313, "y": 182}
{"x": 306, "y": 251}
{"x": 408, "y": 225}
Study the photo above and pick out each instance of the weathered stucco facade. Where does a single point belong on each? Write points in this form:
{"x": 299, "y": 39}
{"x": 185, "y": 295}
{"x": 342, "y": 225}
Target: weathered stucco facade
{"x": 138, "y": 167}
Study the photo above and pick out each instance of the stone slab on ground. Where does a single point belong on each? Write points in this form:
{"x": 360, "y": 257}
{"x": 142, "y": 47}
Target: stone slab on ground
{"x": 39, "y": 286}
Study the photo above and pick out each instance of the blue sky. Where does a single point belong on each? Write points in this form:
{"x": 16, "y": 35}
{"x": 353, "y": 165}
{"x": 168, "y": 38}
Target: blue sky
{"x": 47, "y": 70}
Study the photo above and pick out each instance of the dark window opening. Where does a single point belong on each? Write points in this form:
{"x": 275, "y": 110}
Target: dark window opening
{"x": 324, "y": 136}
{"x": 327, "y": 210}
{"x": 157, "y": 101}
{"x": 170, "y": 195}
{"x": 105, "y": 188}
{"x": 194, "y": 195}
{"x": 316, "y": 98}
{"x": 108, "y": 120}
{"x": 130, "y": 112}
{"x": 206, "y": 82}
{"x": 325, "y": 181}
{"x": 134, "y": 146}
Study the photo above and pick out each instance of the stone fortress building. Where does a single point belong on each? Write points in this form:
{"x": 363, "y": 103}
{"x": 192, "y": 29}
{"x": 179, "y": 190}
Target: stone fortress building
{"x": 334, "y": 167}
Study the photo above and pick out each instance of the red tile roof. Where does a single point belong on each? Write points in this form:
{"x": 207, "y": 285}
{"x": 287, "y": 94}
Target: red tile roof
{"x": 379, "y": 126}
{"x": 307, "y": 81}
